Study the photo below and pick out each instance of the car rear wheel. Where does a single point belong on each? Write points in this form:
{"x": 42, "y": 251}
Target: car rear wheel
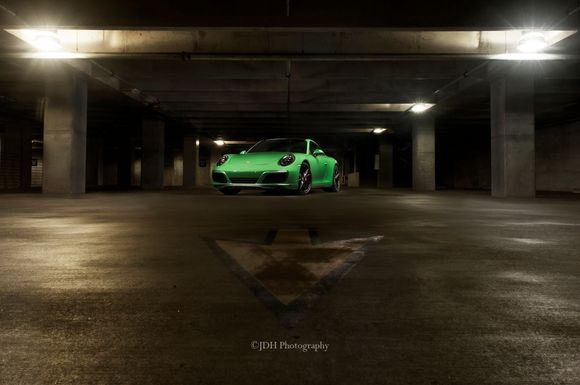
{"x": 335, "y": 181}
{"x": 230, "y": 191}
{"x": 304, "y": 179}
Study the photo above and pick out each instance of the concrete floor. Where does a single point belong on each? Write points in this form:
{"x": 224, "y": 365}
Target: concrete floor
{"x": 124, "y": 288}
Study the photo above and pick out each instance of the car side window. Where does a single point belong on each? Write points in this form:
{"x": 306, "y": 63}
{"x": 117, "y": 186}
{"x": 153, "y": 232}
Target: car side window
{"x": 313, "y": 147}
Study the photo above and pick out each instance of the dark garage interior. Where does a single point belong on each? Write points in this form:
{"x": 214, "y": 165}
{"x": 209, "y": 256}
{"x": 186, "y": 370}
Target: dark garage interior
{"x": 449, "y": 255}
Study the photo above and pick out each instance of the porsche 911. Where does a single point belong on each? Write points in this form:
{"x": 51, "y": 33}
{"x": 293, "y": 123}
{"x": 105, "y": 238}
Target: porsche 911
{"x": 298, "y": 165}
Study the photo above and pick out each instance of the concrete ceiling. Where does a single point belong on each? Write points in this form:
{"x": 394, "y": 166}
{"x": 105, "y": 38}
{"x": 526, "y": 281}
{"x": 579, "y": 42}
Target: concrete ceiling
{"x": 329, "y": 67}
{"x": 233, "y": 14}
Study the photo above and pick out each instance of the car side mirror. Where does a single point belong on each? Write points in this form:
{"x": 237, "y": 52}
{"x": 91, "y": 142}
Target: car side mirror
{"x": 243, "y": 152}
{"x": 318, "y": 152}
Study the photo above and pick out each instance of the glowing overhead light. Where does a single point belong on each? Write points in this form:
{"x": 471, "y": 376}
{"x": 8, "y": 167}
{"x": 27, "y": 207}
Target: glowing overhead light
{"x": 219, "y": 142}
{"x": 379, "y": 130}
{"x": 197, "y": 142}
{"x": 419, "y": 108}
{"x": 46, "y": 41}
{"x": 532, "y": 42}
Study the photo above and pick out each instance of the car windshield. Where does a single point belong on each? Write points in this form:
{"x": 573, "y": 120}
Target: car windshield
{"x": 280, "y": 145}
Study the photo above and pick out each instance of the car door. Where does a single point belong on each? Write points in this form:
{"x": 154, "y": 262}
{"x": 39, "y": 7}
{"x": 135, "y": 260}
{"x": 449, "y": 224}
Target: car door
{"x": 319, "y": 165}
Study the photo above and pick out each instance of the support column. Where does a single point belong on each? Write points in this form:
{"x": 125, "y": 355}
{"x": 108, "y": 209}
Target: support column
{"x": 124, "y": 161}
{"x": 385, "y": 163}
{"x": 65, "y": 132}
{"x": 190, "y": 159}
{"x": 512, "y": 132}
{"x": 424, "y": 153}
{"x": 153, "y": 154}
{"x": 92, "y": 171}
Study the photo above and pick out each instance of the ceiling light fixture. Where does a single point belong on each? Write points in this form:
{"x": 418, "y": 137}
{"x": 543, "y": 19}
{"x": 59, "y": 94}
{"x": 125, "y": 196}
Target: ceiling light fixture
{"x": 419, "y": 108}
{"x": 379, "y": 130}
{"x": 219, "y": 142}
{"x": 532, "y": 42}
{"x": 46, "y": 41}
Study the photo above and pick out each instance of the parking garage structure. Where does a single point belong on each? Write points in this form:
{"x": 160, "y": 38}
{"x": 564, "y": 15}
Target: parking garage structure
{"x": 456, "y": 130}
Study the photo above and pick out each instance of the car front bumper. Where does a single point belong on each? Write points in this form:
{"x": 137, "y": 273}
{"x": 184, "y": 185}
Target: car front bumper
{"x": 273, "y": 179}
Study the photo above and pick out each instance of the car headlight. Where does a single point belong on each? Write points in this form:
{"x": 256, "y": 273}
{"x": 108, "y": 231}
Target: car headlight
{"x": 222, "y": 160}
{"x": 287, "y": 160}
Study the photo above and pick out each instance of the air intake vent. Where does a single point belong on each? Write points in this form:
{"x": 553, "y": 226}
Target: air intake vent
{"x": 244, "y": 180}
{"x": 218, "y": 177}
{"x": 276, "y": 177}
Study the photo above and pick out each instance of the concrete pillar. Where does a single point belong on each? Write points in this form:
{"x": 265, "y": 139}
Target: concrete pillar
{"x": 101, "y": 161}
{"x": 385, "y": 177}
{"x": 190, "y": 160}
{"x": 153, "y": 154}
{"x": 92, "y": 170}
{"x": 424, "y": 153}
{"x": 512, "y": 131}
{"x": 124, "y": 161}
{"x": 26, "y": 157}
{"x": 65, "y": 132}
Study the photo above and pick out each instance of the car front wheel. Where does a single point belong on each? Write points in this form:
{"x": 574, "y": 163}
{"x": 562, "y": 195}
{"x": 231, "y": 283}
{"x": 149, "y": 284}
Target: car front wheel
{"x": 304, "y": 179}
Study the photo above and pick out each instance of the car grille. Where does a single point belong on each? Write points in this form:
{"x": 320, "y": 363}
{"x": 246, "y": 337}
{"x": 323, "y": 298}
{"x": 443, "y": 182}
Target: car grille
{"x": 244, "y": 180}
{"x": 219, "y": 177}
{"x": 276, "y": 177}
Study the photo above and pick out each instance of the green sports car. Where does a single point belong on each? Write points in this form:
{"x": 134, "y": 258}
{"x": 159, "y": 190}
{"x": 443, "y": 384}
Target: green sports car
{"x": 291, "y": 164}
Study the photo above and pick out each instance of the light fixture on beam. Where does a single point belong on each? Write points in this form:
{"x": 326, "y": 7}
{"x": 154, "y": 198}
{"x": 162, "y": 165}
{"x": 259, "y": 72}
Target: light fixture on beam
{"x": 532, "y": 42}
{"x": 219, "y": 142}
{"x": 46, "y": 41}
{"x": 379, "y": 130}
{"x": 419, "y": 108}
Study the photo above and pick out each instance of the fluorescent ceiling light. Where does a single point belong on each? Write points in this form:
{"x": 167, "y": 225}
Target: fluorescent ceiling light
{"x": 419, "y": 108}
{"x": 532, "y": 42}
{"x": 379, "y": 130}
{"x": 219, "y": 142}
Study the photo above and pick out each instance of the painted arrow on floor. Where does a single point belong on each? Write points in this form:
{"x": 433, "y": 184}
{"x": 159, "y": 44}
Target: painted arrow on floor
{"x": 291, "y": 270}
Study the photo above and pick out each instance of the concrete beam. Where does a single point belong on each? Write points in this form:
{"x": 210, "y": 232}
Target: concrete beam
{"x": 268, "y": 75}
{"x": 281, "y": 107}
{"x": 301, "y": 43}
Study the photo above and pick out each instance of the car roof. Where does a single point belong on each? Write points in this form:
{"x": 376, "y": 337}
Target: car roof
{"x": 288, "y": 139}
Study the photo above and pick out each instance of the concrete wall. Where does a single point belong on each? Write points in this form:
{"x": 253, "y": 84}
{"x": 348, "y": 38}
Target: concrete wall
{"x": 15, "y": 157}
{"x": 558, "y": 158}
{"x": 463, "y": 157}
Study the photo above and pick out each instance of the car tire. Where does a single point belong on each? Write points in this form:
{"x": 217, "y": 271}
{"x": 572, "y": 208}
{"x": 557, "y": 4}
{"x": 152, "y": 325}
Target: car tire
{"x": 230, "y": 191}
{"x": 304, "y": 179}
{"x": 335, "y": 181}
